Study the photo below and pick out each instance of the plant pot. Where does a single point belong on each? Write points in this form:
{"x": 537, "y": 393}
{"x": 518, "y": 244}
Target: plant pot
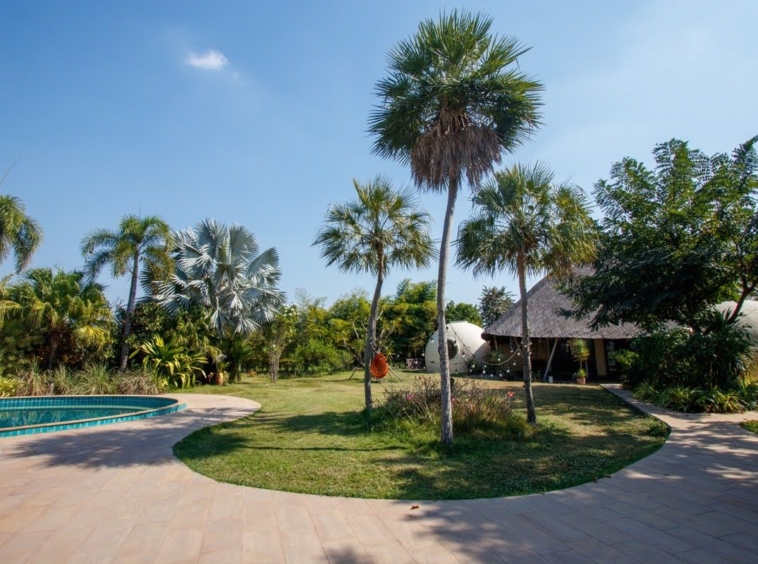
{"x": 581, "y": 381}
{"x": 217, "y": 379}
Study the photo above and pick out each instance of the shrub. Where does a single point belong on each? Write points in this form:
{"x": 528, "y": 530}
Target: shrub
{"x": 93, "y": 380}
{"x": 680, "y": 398}
{"x": 317, "y": 357}
{"x": 718, "y": 401}
{"x": 8, "y": 387}
{"x": 171, "y": 361}
{"x": 713, "y": 358}
{"x": 475, "y": 406}
{"x": 62, "y": 380}
{"x": 140, "y": 383}
{"x": 32, "y": 382}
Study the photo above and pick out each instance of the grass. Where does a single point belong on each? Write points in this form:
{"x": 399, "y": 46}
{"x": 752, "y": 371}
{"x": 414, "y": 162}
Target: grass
{"x": 750, "y": 426}
{"x": 311, "y": 437}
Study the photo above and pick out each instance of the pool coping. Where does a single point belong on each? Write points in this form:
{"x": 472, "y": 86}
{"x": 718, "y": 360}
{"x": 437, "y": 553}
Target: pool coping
{"x": 93, "y": 422}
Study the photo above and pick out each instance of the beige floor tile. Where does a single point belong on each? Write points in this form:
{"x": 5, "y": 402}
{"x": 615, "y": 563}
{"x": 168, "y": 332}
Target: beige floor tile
{"x": 181, "y": 545}
{"x": 262, "y": 545}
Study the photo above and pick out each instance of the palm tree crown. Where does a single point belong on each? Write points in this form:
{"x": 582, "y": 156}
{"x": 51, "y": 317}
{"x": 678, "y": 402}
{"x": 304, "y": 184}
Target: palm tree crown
{"x": 522, "y": 214}
{"x": 137, "y": 240}
{"x": 379, "y": 230}
{"x": 454, "y": 100}
{"x": 220, "y": 268}
{"x": 525, "y": 224}
{"x": 18, "y": 232}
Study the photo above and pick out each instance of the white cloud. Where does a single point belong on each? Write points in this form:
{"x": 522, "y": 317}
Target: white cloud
{"x": 209, "y": 60}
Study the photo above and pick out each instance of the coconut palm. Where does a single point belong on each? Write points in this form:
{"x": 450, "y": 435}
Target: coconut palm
{"x": 137, "y": 240}
{"x": 379, "y": 230}
{"x": 454, "y": 101}
{"x": 60, "y": 302}
{"x": 18, "y": 232}
{"x": 220, "y": 268}
{"x": 525, "y": 224}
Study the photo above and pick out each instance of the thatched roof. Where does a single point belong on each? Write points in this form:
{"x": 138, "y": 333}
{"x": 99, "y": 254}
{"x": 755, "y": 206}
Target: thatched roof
{"x": 545, "y": 321}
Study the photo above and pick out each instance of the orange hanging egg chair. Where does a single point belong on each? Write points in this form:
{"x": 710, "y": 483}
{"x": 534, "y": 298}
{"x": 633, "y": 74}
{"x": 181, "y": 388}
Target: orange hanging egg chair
{"x": 379, "y": 366}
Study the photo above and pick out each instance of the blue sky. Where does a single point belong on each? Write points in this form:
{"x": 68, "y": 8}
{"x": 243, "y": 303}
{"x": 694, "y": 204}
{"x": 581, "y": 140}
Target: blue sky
{"x": 256, "y": 113}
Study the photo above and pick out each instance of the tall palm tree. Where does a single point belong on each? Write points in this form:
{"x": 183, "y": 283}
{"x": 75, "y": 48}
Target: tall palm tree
{"x": 525, "y": 224}
{"x": 61, "y": 301}
{"x": 18, "y": 232}
{"x": 220, "y": 268}
{"x": 137, "y": 240}
{"x": 454, "y": 101}
{"x": 373, "y": 233}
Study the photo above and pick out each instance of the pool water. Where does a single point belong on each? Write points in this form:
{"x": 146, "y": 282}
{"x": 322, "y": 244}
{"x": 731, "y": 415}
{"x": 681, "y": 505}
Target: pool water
{"x": 42, "y": 414}
{"x": 21, "y": 417}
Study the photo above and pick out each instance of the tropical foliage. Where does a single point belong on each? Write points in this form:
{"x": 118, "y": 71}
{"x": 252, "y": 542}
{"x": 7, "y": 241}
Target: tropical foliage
{"x": 170, "y": 362}
{"x": 675, "y": 240}
{"x": 66, "y": 309}
{"x": 381, "y": 229}
{"x": 453, "y": 102}
{"x": 138, "y": 240}
{"x": 19, "y": 233}
{"x": 526, "y": 224}
{"x": 494, "y": 303}
{"x": 221, "y": 269}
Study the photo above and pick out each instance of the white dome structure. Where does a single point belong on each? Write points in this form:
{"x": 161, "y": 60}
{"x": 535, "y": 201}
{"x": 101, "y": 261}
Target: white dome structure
{"x": 465, "y": 347}
{"x": 748, "y": 318}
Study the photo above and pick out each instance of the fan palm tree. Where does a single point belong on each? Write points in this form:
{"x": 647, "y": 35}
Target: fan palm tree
{"x": 61, "y": 301}
{"x": 220, "y": 268}
{"x": 454, "y": 101}
{"x": 373, "y": 233}
{"x": 525, "y": 224}
{"x": 137, "y": 240}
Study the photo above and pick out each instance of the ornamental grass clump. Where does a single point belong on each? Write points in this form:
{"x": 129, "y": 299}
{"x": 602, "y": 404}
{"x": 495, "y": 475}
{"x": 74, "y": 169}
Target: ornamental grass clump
{"x": 476, "y": 407}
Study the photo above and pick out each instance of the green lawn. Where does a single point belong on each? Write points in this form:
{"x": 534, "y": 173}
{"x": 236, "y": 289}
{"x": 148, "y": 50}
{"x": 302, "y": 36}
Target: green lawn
{"x": 750, "y": 426}
{"x": 311, "y": 437}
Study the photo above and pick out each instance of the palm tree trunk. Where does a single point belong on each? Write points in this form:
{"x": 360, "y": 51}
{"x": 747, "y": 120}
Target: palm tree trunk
{"x": 128, "y": 316}
{"x": 526, "y": 345}
{"x": 447, "y": 404}
{"x": 368, "y": 355}
{"x": 526, "y": 349}
{"x": 53, "y": 349}
{"x": 273, "y": 364}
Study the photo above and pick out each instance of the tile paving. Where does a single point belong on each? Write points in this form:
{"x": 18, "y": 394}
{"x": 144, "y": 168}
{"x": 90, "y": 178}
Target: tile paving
{"x": 117, "y": 494}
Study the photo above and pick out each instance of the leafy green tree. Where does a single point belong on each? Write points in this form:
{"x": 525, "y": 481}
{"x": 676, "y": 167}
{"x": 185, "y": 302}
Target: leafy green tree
{"x": 462, "y": 312}
{"x": 525, "y": 224}
{"x": 675, "y": 240}
{"x": 413, "y": 313}
{"x": 19, "y": 233}
{"x": 63, "y": 302}
{"x": 138, "y": 240}
{"x": 377, "y": 231}
{"x": 494, "y": 303}
{"x": 220, "y": 269}
{"x": 348, "y": 323}
{"x": 453, "y": 102}
{"x": 276, "y": 335}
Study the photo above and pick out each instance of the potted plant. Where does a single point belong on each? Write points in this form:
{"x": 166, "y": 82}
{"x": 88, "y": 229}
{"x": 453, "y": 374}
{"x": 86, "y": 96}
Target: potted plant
{"x": 580, "y": 350}
{"x": 580, "y": 376}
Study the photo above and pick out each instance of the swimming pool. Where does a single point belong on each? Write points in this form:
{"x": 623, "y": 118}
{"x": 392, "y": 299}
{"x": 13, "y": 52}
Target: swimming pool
{"x": 28, "y": 415}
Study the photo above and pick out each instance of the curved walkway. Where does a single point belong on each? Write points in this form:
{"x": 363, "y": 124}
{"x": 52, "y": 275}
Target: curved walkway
{"x": 117, "y": 494}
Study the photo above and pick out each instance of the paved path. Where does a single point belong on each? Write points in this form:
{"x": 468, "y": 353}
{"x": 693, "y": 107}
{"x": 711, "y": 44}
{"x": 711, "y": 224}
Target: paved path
{"x": 117, "y": 494}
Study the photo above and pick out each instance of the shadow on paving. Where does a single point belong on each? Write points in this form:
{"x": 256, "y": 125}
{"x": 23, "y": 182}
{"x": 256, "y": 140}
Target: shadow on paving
{"x": 116, "y": 445}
